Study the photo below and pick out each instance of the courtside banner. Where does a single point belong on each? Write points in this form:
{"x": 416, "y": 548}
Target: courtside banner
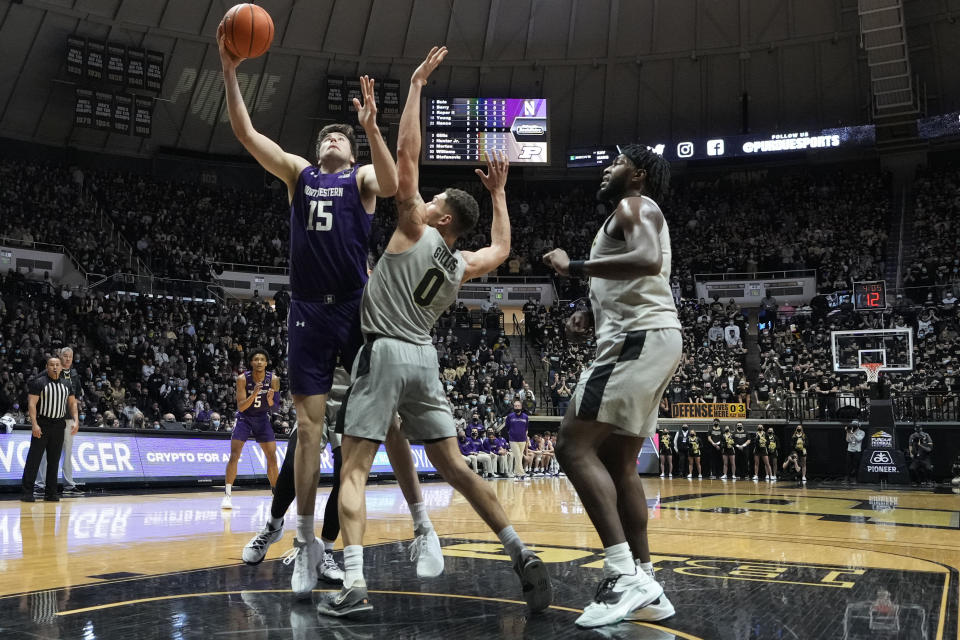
{"x": 110, "y": 456}
{"x": 709, "y": 410}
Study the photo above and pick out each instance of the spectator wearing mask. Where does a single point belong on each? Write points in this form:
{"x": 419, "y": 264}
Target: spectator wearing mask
{"x": 516, "y": 424}
{"x": 216, "y": 422}
{"x": 743, "y": 450}
{"x": 666, "y": 452}
{"x": 693, "y": 453}
{"x": 760, "y": 454}
{"x": 920, "y": 448}
{"x": 800, "y": 448}
{"x": 499, "y": 450}
{"x": 486, "y": 463}
{"x": 467, "y": 450}
{"x": 855, "y": 437}
{"x": 714, "y": 449}
{"x": 681, "y": 447}
{"x": 728, "y": 448}
{"x": 773, "y": 450}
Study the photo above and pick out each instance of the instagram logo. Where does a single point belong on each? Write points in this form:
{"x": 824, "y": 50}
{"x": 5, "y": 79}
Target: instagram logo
{"x": 685, "y": 150}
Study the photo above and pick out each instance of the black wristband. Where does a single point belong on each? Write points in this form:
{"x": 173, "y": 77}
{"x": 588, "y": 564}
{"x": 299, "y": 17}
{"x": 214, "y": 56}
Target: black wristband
{"x": 577, "y": 269}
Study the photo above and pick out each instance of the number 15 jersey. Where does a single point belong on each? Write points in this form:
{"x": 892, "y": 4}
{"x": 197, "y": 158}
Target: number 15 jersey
{"x": 408, "y": 291}
{"x": 329, "y": 235}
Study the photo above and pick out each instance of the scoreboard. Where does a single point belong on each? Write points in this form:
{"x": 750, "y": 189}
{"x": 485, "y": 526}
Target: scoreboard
{"x": 870, "y": 295}
{"x": 461, "y": 130}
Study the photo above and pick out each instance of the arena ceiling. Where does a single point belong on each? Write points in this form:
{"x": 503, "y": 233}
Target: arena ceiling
{"x": 615, "y": 70}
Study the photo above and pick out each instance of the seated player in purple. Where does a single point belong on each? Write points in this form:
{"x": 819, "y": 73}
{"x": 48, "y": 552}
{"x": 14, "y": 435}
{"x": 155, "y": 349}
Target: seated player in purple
{"x": 257, "y": 398}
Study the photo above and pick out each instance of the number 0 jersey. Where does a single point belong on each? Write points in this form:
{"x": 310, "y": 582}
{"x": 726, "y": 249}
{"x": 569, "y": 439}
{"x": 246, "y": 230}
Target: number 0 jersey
{"x": 408, "y": 291}
{"x": 329, "y": 235}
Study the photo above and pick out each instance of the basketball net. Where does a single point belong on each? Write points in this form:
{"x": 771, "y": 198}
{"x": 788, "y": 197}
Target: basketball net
{"x": 872, "y": 369}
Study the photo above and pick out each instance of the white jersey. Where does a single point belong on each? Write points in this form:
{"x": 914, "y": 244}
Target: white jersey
{"x": 642, "y": 303}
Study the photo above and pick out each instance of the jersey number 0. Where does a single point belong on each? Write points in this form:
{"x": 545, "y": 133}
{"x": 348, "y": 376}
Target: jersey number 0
{"x": 429, "y": 285}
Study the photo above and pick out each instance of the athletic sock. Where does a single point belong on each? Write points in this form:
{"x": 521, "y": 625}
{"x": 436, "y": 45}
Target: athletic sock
{"x": 353, "y": 566}
{"x": 327, "y": 545}
{"x": 618, "y": 560}
{"x": 421, "y": 519}
{"x": 305, "y": 531}
{"x": 647, "y": 568}
{"x": 228, "y": 488}
{"x": 274, "y": 523}
{"x": 511, "y": 542}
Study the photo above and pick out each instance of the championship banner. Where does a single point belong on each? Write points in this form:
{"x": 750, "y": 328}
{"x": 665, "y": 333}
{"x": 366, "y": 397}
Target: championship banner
{"x": 122, "y": 108}
{"x": 334, "y": 94}
{"x": 116, "y": 63}
{"x": 154, "y": 70}
{"x": 83, "y": 108}
{"x": 76, "y": 49}
{"x": 709, "y": 410}
{"x": 353, "y": 91}
{"x": 363, "y": 144}
{"x": 95, "y": 52}
{"x": 103, "y": 111}
{"x": 142, "y": 117}
{"x": 391, "y": 98}
{"x": 136, "y": 63}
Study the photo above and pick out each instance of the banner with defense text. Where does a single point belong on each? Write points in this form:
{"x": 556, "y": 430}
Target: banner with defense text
{"x": 706, "y": 410}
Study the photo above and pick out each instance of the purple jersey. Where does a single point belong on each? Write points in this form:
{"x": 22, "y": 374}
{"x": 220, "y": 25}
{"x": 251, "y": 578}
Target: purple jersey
{"x": 329, "y": 236}
{"x": 259, "y": 406}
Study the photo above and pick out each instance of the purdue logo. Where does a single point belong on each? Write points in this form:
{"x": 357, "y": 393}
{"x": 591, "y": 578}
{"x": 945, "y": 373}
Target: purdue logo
{"x": 880, "y": 457}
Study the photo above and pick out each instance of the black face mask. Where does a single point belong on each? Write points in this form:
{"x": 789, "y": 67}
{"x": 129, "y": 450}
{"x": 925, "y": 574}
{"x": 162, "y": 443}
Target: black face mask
{"x": 685, "y": 428}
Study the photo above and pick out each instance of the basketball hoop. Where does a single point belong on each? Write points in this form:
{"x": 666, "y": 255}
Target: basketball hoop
{"x": 872, "y": 369}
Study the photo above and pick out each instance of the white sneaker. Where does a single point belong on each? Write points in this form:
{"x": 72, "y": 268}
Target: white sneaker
{"x": 755, "y": 478}
{"x": 774, "y": 479}
{"x": 723, "y": 478}
{"x": 425, "y": 551}
{"x": 689, "y": 475}
{"x": 256, "y": 550}
{"x": 617, "y": 597}
{"x": 329, "y": 570}
{"x": 661, "y": 475}
{"x": 700, "y": 476}
{"x": 804, "y": 480}
{"x": 659, "y": 609}
{"x": 226, "y": 503}
{"x": 305, "y": 557}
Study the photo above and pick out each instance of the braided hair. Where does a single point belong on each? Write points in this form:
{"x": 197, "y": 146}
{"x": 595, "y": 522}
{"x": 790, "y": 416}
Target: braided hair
{"x": 657, "y": 183}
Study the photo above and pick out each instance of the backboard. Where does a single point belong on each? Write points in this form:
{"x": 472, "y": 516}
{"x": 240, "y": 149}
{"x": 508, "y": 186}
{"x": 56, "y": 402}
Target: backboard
{"x": 892, "y": 348}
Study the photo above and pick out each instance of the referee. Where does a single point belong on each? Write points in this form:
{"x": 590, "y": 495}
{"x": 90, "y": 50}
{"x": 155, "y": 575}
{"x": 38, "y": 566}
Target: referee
{"x": 50, "y": 397}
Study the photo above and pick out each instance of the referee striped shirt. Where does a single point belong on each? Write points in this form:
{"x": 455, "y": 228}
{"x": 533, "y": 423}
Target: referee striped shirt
{"x": 53, "y": 396}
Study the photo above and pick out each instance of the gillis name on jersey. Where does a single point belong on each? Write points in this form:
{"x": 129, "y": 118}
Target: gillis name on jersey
{"x": 446, "y": 260}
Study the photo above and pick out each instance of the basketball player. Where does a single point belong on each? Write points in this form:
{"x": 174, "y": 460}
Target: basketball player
{"x": 615, "y": 405}
{"x": 256, "y": 398}
{"x": 418, "y": 278}
{"x": 331, "y": 210}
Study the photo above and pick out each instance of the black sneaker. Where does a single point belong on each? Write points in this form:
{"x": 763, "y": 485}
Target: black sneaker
{"x": 535, "y": 581}
{"x": 51, "y": 498}
{"x": 349, "y": 601}
{"x": 72, "y": 492}
{"x": 27, "y": 497}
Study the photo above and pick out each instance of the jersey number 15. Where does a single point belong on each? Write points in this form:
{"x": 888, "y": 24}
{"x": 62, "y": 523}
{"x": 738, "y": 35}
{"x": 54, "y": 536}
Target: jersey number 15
{"x": 320, "y": 218}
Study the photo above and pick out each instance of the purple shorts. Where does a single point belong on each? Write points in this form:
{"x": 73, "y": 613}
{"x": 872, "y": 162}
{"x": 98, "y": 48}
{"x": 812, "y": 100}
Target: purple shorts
{"x": 319, "y": 334}
{"x": 258, "y": 428}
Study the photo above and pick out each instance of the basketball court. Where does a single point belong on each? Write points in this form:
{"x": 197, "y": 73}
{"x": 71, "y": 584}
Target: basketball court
{"x": 738, "y": 560}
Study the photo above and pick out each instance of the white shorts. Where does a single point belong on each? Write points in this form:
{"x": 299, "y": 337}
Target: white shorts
{"x": 392, "y": 376}
{"x": 624, "y": 389}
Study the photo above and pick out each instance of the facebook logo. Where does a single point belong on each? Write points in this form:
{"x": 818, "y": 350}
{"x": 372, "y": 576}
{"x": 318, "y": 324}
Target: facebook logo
{"x": 685, "y": 150}
{"x": 715, "y": 147}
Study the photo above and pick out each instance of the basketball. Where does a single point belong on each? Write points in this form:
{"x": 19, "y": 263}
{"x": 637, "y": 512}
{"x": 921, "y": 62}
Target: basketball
{"x": 248, "y": 30}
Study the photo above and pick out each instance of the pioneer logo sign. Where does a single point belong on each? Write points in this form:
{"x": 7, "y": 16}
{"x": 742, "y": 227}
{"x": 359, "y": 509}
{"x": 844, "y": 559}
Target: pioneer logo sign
{"x": 881, "y": 440}
{"x": 881, "y": 462}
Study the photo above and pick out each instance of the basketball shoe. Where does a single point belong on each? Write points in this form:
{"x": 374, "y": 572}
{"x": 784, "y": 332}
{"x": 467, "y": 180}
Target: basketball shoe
{"x": 425, "y": 551}
{"x": 256, "y": 550}
{"x": 226, "y": 503}
{"x": 535, "y": 581}
{"x": 305, "y": 557}
{"x": 618, "y": 596}
{"x": 659, "y": 609}
{"x": 350, "y": 600}
{"x": 329, "y": 570}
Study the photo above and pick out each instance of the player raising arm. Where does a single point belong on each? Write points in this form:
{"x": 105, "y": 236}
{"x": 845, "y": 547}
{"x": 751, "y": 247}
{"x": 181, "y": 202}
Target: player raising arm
{"x": 417, "y": 278}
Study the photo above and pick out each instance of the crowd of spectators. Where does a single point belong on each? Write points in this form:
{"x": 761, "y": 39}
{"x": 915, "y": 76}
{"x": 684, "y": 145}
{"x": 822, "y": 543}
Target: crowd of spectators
{"x": 933, "y": 273}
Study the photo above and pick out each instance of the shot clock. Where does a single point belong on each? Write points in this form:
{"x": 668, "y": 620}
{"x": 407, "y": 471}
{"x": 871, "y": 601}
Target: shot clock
{"x": 870, "y": 295}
